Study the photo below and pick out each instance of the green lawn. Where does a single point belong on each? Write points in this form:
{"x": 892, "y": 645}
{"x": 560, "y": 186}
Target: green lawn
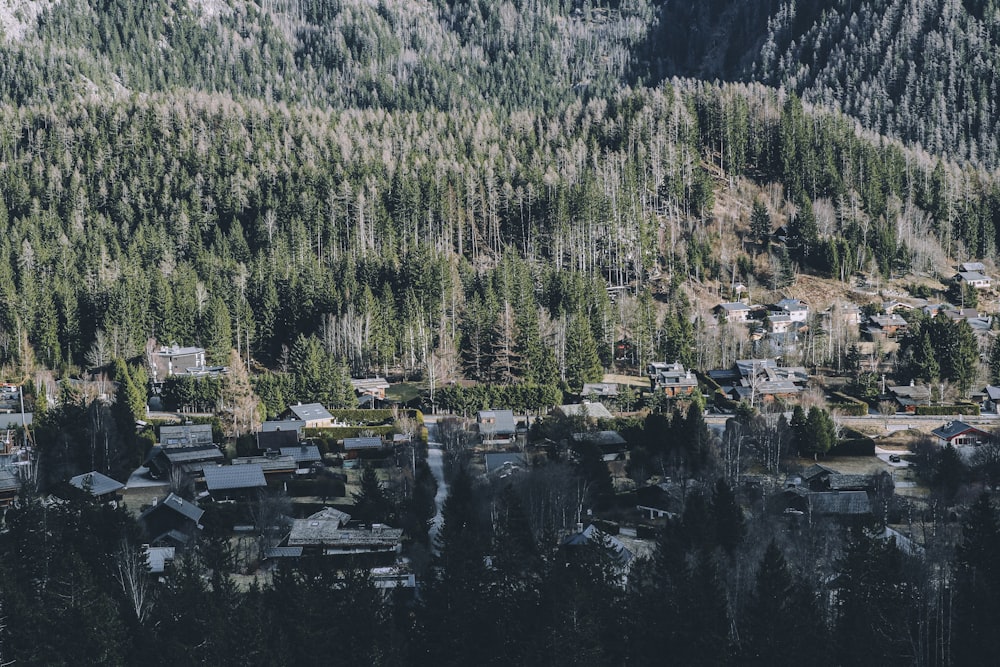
{"x": 403, "y": 392}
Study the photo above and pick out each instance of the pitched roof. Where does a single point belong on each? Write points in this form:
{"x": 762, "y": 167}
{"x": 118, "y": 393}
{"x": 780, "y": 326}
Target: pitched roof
{"x": 496, "y": 422}
{"x": 975, "y": 267}
{"x": 591, "y": 534}
{"x": 816, "y": 470}
{"x": 842, "y": 482}
{"x": 327, "y": 532}
{"x": 302, "y": 453}
{"x": 733, "y": 307}
{"x": 839, "y": 502}
{"x": 592, "y": 410}
{"x": 158, "y": 557}
{"x": 283, "y": 425}
{"x": 277, "y": 439}
{"x": 955, "y": 428}
{"x": 282, "y": 552}
{"x": 913, "y": 392}
{"x": 96, "y": 483}
{"x": 600, "y": 389}
{"x": 310, "y": 412}
{"x": 373, "y": 442}
{"x": 972, "y": 276}
{"x": 177, "y": 504}
{"x": 195, "y": 453}
{"x": 369, "y": 384}
{"x": 269, "y": 463}
{"x": 186, "y": 434}
{"x": 993, "y": 392}
{"x": 222, "y": 478}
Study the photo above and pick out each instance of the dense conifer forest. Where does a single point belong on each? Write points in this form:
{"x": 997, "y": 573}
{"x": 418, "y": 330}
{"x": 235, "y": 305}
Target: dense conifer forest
{"x": 445, "y": 191}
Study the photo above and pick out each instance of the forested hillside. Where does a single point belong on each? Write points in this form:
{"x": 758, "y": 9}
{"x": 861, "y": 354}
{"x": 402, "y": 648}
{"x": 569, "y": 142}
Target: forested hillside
{"x": 402, "y": 238}
{"x": 921, "y": 70}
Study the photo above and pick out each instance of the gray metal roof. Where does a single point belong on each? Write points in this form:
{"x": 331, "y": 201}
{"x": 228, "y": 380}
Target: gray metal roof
{"x": 186, "y": 434}
{"x": 283, "y": 425}
{"x": 327, "y": 532}
{"x": 373, "y": 442}
{"x": 839, "y": 502}
{"x": 310, "y": 412}
{"x": 221, "y": 478}
{"x": 179, "y": 505}
{"x": 496, "y": 422}
{"x": 192, "y": 454}
{"x": 267, "y": 463}
{"x": 282, "y": 552}
{"x": 97, "y": 484}
{"x": 303, "y": 453}
{"x": 157, "y": 558}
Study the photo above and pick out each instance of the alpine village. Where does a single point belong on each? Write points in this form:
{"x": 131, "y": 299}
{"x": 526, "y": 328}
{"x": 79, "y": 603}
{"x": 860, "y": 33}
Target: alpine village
{"x": 506, "y": 332}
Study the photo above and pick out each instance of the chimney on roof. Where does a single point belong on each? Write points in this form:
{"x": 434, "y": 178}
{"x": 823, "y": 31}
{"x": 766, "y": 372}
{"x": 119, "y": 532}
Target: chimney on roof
{"x": 911, "y": 383}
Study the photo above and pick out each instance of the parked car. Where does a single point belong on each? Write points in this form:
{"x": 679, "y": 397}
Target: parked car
{"x": 894, "y": 458}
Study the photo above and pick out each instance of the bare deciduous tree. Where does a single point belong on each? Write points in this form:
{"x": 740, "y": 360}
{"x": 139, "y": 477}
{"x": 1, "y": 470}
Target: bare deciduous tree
{"x": 132, "y": 574}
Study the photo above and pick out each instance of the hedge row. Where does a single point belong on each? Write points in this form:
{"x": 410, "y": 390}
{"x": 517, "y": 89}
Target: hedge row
{"x": 326, "y": 438}
{"x": 854, "y": 447}
{"x": 848, "y": 405}
{"x": 960, "y": 409}
{"x": 356, "y": 416}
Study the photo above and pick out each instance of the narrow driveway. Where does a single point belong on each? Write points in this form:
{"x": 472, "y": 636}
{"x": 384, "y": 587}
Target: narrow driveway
{"x": 435, "y": 461}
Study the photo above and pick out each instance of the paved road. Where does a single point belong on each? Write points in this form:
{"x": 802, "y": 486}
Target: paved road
{"x": 435, "y": 461}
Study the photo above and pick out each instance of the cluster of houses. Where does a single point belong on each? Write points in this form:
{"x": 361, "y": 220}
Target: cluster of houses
{"x": 187, "y": 456}
{"x": 782, "y": 323}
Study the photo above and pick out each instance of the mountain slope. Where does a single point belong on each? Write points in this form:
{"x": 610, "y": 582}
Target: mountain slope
{"x": 921, "y": 70}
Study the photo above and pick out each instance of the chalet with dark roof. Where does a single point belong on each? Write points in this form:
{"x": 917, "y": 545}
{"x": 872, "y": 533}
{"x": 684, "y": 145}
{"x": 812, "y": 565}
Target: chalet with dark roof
{"x": 274, "y": 465}
{"x": 959, "y": 434}
{"x": 885, "y": 326}
{"x": 295, "y": 425}
{"x": 671, "y": 379}
{"x": 303, "y": 455}
{"x": 327, "y": 533}
{"x": 496, "y": 427}
{"x": 275, "y": 440}
{"x": 908, "y": 397}
{"x": 171, "y": 522}
{"x": 191, "y": 460}
{"x": 234, "y": 481}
